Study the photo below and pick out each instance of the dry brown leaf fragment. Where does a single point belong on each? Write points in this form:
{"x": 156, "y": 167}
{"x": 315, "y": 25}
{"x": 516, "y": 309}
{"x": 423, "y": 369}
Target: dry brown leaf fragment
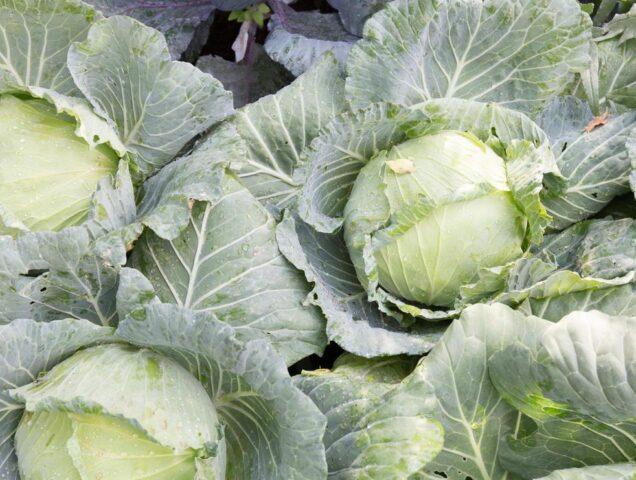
{"x": 597, "y": 122}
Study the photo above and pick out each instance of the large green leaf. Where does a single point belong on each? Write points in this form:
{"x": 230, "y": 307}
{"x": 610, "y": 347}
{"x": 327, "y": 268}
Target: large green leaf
{"x": 610, "y": 82}
{"x": 227, "y": 262}
{"x": 156, "y": 105}
{"x": 587, "y": 257}
{"x": 563, "y": 120}
{"x": 515, "y": 53}
{"x": 76, "y": 284}
{"x": 596, "y": 166}
{"x": 521, "y": 396}
{"x": 620, "y": 300}
{"x": 458, "y": 393}
{"x": 354, "y": 14}
{"x": 185, "y": 25}
{"x": 575, "y": 381}
{"x": 278, "y": 128}
{"x": 375, "y": 425}
{"x": 164, "y": 199}
{"x": 297, "y": 40}
{"x": 623, "y": 471}
{"x": 37, "y": 35}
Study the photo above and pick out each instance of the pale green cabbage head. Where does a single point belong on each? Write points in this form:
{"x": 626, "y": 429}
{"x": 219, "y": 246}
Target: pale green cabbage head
{"x": 49, "y": 174}
{"x": 449, "y": 195}
{"x": 158, "y": 423}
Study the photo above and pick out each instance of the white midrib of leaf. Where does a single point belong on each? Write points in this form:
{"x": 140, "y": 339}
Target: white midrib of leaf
{"x": 7, "y": 59}
{"x": 616, "y": 74}
{"x": 477, "y": 457}
{"x": 201, "y": 234}
{"x": 128, "y": 135}
{"x": 275, "y": 169}
{"x": 450, "y": 92}
{"x": 201, "y": 239}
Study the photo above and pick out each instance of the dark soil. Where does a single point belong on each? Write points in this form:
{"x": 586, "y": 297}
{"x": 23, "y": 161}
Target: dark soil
{"x": 223, "y": 32}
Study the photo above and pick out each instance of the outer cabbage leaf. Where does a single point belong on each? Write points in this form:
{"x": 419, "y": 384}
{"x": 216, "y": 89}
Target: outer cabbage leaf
{"x": 352, "y": 321}
{"x": 354, "y": 14}
{"x": 166, "y": 198}
{"x": 49, "y": 28}
{"x": 520, "y": 396}
{"x": 576, "y": 383}
{"x": 457, "y": 392}
{"x": 610, "y": 82}
{"x": 278, "y": 128}
{"x": 227, "y": 262}
{"x": 157, "y": 105}
{"x": 563, "y": 120}
{"x": 375, "y": 428}
{"x": 83, "y": 262}
{"x": 515, "y": 53}
{"x": 587, "y": 257}
{"x": 622, "y": 471}
{"x": 298, "y": 39}
{"x": 596, "y": 166}
{"x": 185, "y": 25}
{"x": 620, "y": 300}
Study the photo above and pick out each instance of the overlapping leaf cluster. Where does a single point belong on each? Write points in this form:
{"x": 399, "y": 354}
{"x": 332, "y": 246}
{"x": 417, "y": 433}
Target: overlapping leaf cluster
{"x": 214, "y": 246}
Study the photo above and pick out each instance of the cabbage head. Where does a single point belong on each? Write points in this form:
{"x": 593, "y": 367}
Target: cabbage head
{"x": 462, "y": 215}
{"x": 431, "y": 199}
{"x": 161, "y": 433}
{"x": 49, "y": 173}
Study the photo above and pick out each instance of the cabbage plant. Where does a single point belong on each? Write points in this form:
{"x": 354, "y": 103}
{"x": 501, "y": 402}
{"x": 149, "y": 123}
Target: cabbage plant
{"x": 169, "y": 394}
{"x": 472, "y": 136}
